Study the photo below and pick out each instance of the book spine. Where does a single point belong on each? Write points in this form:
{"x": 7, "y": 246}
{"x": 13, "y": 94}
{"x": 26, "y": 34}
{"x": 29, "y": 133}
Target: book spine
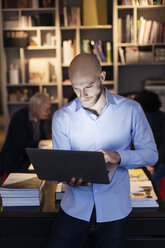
{"x": 100, "y": 50}
{"x": 108, "y": 50}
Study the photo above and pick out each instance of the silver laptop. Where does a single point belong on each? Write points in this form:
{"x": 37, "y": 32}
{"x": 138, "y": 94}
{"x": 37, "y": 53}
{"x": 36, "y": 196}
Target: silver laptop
{"x": 62, "y": 165}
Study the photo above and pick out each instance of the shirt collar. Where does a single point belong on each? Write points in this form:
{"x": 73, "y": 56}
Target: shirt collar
{"x": 109, "y": 98}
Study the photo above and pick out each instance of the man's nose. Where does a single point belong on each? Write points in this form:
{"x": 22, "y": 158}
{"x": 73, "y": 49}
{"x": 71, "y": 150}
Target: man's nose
{"x": 83, "y": 93}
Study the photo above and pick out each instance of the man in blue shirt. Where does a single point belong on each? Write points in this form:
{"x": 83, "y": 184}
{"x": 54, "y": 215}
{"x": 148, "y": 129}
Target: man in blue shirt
{"x": 99, "y": 121}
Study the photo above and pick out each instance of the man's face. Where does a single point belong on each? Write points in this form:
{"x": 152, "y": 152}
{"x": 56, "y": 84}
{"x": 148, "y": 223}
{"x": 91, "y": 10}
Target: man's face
{"x": 88, "y": 89}
{"x": 43, "y": 111}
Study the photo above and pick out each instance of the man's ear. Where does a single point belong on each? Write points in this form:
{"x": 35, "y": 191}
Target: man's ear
{"x": 102, "y": 76}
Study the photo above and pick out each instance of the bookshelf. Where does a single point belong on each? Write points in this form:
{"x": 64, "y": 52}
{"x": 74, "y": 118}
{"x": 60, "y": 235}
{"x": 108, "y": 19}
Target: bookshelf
{"x": 49, "y": 44}
{"x": 140, "y": 43}
{"x": 30, "y": 52}
{"x": 30, "y": 47}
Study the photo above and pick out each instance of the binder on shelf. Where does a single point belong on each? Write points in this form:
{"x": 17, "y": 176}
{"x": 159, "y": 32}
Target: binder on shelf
{"x": 91, "y": 14}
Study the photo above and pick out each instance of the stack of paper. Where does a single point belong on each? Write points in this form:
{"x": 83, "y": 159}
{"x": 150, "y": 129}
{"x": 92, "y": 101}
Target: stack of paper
{"x": 60, "y": 191}
{"x": 21, "y": 189}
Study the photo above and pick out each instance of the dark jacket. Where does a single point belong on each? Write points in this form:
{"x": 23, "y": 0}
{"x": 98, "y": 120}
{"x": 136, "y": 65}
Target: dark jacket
{"x": 158, "y": 128}
{"x": 19, "y": 136}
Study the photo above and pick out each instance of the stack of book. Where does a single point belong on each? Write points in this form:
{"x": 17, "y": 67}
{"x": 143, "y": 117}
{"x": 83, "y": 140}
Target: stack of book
{"x": 150, "y": 31}
{"x": 21, "y": 190}
{"x": 141, "y": 190}
{"x": 99, "y": 48}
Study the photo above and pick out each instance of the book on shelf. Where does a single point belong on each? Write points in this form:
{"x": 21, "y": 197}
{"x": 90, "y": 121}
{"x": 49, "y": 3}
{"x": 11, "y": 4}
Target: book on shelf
{"x": 128, "y": 28}
{"x": 99, "y": 48}
{"x": 69, "y": 15}
{"x": 150, "y": 31}
{"x": 86, "y": 46}
{"x": 22, "y": 189}
{"x": 109, "y": 52}
{"x": 125, "y": 29}
{"x": 121, "y": 55}
{"x": 68, "y": 51}
{"x": 100, "y": 51}
{"x": 75, "y": 16}
{"x": 141, "y": 30}
{"x": 119, "y": 29}
{"x": 146, "y": 33}
{"x": 93, "y": 49}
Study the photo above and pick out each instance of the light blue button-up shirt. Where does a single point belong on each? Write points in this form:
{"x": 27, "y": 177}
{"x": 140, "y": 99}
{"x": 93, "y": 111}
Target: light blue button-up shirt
{"x": 121, "y": 122}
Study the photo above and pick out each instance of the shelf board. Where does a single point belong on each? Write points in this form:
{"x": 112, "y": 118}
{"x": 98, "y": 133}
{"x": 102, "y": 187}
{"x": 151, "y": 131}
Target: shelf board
{"x": 87, "y": 27}
{"x": 31, "y": 84}
{"x": 70, "y": 27}
{"x": 155, "y": 87}
{"x": 102, "y": 64}
{"x": 151, "y": 6}
{"x": 40, "y": 47}
{"x": 125, "y": 6}
{"x": 31, "y": 28}
{"x": 140, "y": 45}
{"x": 27, "y": 102}
{"x": 106, "y": 64}
{"x": 22, "y": 85}
{"x": 140, "y": 7}
{"x": 142, "y": 64}
{"x": 28, "y": 9}
{"x": 97, "y": 27}
{"x": 109, "y": 82}
{"x": 54, "y": 101}
{"x": 18, "y": 103}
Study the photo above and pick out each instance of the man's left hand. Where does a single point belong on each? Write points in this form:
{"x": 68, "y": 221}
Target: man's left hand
{"x": 111, "y": 157}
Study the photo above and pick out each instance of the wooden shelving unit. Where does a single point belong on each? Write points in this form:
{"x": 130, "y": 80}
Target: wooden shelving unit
{"x": 121, "y": 78}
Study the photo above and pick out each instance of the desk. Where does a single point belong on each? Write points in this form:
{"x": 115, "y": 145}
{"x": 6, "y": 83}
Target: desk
{"x": 31, "y": 229}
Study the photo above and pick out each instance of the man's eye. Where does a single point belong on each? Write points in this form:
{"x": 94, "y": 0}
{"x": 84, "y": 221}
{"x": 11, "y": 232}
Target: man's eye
{"x": 90, "y": 86}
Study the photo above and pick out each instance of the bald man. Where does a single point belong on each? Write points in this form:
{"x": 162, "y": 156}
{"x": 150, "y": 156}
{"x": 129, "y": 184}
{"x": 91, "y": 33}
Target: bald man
{"x": 99, "y": 121}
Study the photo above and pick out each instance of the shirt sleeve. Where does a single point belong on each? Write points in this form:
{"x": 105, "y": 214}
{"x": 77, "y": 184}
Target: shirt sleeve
{"x": 145, "y": 150}
{"x": 60, "y": 138}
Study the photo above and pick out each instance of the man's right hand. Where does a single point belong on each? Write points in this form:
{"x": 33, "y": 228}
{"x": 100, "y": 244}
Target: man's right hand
{"x": 74, "y": 182}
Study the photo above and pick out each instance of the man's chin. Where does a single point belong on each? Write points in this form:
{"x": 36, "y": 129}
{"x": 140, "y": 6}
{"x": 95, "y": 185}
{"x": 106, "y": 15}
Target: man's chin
{"x": 87, "y": 105}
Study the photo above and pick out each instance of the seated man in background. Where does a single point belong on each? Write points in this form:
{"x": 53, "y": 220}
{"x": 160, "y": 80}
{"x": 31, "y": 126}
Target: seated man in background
{"x": 151, "y": 104}
{"x": 26, "y": 129}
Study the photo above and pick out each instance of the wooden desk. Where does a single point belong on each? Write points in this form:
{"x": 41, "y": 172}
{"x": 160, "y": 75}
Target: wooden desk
{"x": 31, "y": 229}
